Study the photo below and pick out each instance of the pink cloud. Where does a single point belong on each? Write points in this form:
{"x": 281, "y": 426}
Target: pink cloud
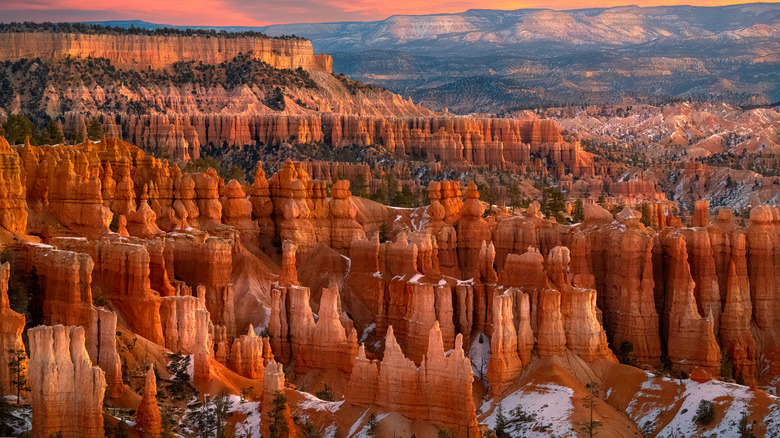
{"x": 262, "y": 12}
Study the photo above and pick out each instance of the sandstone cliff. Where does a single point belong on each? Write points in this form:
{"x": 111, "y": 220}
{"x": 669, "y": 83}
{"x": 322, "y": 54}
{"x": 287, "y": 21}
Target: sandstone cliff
{"x": 67, "y": 391}
{"x": 145, "y": 51}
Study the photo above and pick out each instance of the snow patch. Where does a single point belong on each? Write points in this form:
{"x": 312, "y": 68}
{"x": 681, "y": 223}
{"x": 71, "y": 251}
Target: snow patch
{"x": 479, "y": 354}
{"x": 548, "y": 405}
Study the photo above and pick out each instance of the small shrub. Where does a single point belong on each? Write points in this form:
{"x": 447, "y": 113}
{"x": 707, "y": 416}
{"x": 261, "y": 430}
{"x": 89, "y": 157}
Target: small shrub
{"x": 705, "y": 413}
{"x": 326, "y": 394}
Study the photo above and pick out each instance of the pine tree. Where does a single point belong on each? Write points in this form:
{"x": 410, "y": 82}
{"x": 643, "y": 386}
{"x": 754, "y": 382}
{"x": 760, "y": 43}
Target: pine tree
{"x": 501, "y": 423}
{"x": 17, "y": 127}
{"x": 278, "y": 427}
{"x": 745, "y": 430}
{"x": 591, "y": 427}
{"x": 50, "y": 134}
{"x": 222, "y": 405}
{"x": 95, "y": 130}
{"x": 17, "y": 368}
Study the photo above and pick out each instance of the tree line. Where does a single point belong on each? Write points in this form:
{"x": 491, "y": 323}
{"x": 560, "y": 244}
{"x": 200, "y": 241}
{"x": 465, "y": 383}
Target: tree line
{"x": 98, "y": 29}
{"x": 18, "y": 127}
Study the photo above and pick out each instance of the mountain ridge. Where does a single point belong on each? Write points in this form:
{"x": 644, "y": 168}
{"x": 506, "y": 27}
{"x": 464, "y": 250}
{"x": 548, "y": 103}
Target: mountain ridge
{"x": 528, "y": 58}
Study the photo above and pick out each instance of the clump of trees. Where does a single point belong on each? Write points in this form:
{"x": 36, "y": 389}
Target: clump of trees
{"x": 97, "y": 29}
{"x": 17, "y": 127}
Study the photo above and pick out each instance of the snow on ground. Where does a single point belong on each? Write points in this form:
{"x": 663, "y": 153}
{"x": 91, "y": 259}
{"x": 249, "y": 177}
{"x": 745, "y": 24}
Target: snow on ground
{"x": 371, "y": 328}
{"x": 314, "y": 403}
{"x": 357, "y": 424}
{"x": 363, "y": 432}
{"x": 479, "y": 353}
{"x": 548, "y": 408}
{"x": 19, "y": 416}
{"x": 416, "y": 278}
{"x": 637, "y": 411}
{"x": 738, "y": 398}
{"x": 251, "y": 425}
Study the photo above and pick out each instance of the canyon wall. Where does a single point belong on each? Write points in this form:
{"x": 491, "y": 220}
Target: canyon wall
{"x": 146, "y": 51}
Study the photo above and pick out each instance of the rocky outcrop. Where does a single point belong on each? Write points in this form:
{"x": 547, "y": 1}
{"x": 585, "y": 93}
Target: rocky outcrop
{"x": 156, "y": 51}
{"x": 179, "y": 322}
{"x": 637, "y": 322}
{"x": 11, "y": 327}
{"x": 343, "y": 214}
{"x": 505, "y": 364}
{"x": 273, "y": 382}
{"x": 107, "y": 356}
{"x": 262, "y": 207}
{"x": 323, "y": 345}
{"x": 691, "y": 339}
{"x": 13, "y": 203}
{"x": 472, "y": 231}
{"x": 123, "y": 276}
{"x": 66, "y": 390}
{"x": 550, "y": 336}
{"x": 75, "y": 198}
{"x": 365, "y": 294}
{"x": 763, "y": 248}
{"x": 246, "y": 355}
{"x": 292, "y": 213}
{"x": 237, "y": 212}
{"x": 735, "y": 334}
{"x": 289, "y": 273}
{"x": 65, "y": 279}
{"x": 203, "y": 350}
{"x": 148, "y": 421}
{"x": 438, "y": 393}
{"x": 205, "y": 260}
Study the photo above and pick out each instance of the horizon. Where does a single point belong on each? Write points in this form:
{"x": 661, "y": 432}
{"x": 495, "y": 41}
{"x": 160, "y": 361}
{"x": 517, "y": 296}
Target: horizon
{"x": 241, "y": 13}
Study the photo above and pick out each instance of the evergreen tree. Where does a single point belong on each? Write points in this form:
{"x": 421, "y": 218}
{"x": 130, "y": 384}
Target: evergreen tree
{"x": 222, "y": 405}
{"x": 180, "y": 386}
{"x": 278, "y": 427}
{"x": 326, "y": 394}
{"x": 50, "y": 134}
{"x": 17, "y": 369}
{"x": 553, "y": 204}
{"x": 745, "y": 430}
{"x": 590, "y": 428}
{"x": 406, "y": 198}
{"x": 391, "y": 182}
{"x": 705, "y": 413}
{"x": 501, "y": 423}
{"x": 17, "y": 128}
{"x": 95, "y": 130}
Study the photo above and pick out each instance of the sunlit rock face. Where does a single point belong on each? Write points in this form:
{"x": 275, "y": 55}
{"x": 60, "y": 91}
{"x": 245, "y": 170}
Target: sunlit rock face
{"x": 293, "y": 283}
{"x": 66, "y": 389}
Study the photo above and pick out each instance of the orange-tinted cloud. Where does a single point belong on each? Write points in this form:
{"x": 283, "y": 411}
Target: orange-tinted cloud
{"x": 262, "y": 12}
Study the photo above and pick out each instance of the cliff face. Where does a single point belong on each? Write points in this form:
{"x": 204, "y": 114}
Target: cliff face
{"x": 11, "y": 327}
{"x": 384, "y": 323}
{"x": 144, "y": 51}
{"x": 66, "y": 390}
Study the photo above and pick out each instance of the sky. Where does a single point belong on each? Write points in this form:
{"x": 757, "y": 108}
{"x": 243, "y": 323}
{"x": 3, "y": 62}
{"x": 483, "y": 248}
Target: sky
{"x": 264, "y": 12}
